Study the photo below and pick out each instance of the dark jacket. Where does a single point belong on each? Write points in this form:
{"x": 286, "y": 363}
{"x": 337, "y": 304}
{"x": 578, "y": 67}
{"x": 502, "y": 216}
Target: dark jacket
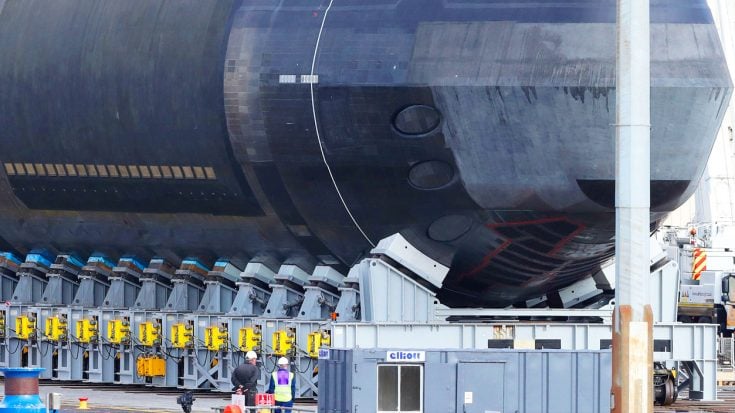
{"x": 245, "y": 375}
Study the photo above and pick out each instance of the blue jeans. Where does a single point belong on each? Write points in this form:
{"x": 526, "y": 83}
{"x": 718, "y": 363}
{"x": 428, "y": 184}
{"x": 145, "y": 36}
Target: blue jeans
{"x": 284, "y": 404}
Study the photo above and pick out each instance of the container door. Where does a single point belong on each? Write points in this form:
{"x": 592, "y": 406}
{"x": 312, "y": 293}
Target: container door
{"x": 400, "y": 388}
{"x": 480, "y": 387}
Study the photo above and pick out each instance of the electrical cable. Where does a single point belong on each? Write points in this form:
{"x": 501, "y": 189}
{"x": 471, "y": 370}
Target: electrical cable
{"x": 17, "y": 347}
{"x": 168, "y": 354}
{"x": 39, "y": 344}
{"x": 308, "y": 367}
{"x": 79, "y": 350}
{"x": 316, "y": 128}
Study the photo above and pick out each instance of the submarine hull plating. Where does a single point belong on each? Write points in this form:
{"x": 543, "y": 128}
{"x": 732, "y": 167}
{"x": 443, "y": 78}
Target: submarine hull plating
{"x": 307, "y": 130}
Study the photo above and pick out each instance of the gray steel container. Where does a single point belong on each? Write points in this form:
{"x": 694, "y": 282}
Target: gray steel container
{"x": 468, "y": 381}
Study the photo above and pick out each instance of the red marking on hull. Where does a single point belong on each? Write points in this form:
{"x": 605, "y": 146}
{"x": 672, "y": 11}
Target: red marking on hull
{"x": 486, "y": 260}
{"x": 494, "y": 227}
{"x": 524, "y": 223}
{"x": 564, "y": 241}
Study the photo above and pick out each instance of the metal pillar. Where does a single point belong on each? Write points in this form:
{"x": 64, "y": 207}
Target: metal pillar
{"x": 288, "y": 292}
{"x": 348, "y": 307}
{"x": 63, "y": 281}
{"x": 112, "y": 358}
{"x": 121, "y": 348}
{"x": 20, "y": 322}
{"x": 253, "y": 290}
{"x": 200, "y": 352}
{"x": 9, "y": 266}
{"x": 632, "y": 386}
{"x": 186, "y": 330}
{"x": 150, "y": 328}
{"x": 124, "y": 284}
{"x": 93, "y": 282}
{"x": 321, "y": 294}
{"x": 155, "y": 285}
{"x": 220, "y": 288}
{"x": 169, "y": 346}
{"x": 41, "y": 350}
{"x": 210, "y": 352}
{"x": 188, "y": 286}
{"x": 31, "y": 279}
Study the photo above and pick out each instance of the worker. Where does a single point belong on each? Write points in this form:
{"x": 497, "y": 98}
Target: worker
{"x": 283, "y": 386}
{"x": 245, "y": 378}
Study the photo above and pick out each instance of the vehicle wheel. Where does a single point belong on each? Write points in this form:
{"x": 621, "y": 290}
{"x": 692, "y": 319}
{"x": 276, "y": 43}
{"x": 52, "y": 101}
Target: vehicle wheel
{"x": 670, "y": 395}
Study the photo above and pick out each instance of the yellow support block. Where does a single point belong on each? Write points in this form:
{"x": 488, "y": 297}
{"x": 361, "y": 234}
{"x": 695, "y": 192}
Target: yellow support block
{"x": 2, "y": 324}
{"x": 150, "y": 366}
{"x": 282, "y": 342}
{"x": 118, "y": 331}
{"x": 25, "y": 327}
{"x": 140, "y": 367}
{"x": 157, "y": 367}
{"x": 317, "y": 340}
{"x": 216, "y": 339}
{"x": 56, "y": 328}
{"x": 249, "y": 339}
{"x": 87, "y": 330}
{"x": 181, "y": 335}
{"x": 149, "y": 334}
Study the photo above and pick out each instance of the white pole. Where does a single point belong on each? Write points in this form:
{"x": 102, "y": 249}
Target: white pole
{"x": 632, "y": 386}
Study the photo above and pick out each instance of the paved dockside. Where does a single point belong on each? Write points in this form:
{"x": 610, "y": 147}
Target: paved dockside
{"x": 119, "y": 399}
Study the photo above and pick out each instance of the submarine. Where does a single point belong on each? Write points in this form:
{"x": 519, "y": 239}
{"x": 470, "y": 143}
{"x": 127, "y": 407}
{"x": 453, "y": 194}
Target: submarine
{"x": 304, "y": 131}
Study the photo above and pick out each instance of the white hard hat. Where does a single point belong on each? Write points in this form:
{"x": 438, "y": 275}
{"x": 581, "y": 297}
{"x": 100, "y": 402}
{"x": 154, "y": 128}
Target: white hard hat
{"x": 283, "y": 361}
{"x": 250, "y": 355}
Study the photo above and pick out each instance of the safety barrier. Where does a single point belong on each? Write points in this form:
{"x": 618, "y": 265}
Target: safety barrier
{"x": 263, "y": 409}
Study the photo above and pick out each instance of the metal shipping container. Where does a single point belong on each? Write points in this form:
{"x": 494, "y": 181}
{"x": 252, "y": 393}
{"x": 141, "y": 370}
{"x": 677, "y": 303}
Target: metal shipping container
{"x": 468, "y": 381}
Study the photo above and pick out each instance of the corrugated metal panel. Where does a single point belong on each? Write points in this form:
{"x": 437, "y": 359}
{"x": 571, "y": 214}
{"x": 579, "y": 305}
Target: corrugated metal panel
{"x": 687, "y": 341}
{"x": 335, "y": 378}
{"x": 542, "y": 381}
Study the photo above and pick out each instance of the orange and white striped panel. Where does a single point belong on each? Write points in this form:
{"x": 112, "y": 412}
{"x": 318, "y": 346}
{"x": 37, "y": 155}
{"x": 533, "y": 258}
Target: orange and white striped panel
{"x": 699, "y": 263}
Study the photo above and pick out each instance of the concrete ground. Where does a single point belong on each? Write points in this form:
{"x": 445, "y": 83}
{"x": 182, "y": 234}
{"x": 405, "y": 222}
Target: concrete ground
{"x": 107, "y": 399}
{"x": 117, "y": 399}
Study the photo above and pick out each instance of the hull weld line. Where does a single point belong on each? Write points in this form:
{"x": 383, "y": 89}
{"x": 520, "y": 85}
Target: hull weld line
{"x": 316, "y": 129}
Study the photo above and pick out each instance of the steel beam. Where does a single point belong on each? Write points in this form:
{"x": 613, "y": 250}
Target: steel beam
{"x": 632, "y": 385}
{"x": 520, "y": 312}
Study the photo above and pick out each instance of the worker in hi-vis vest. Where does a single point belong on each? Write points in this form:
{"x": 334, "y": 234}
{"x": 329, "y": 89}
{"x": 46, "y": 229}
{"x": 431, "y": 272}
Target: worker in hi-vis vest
{"x": 283, "y": 386}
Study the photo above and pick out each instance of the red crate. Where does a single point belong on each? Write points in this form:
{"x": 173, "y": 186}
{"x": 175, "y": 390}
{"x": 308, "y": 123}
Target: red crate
{"x": 265, "y": 399}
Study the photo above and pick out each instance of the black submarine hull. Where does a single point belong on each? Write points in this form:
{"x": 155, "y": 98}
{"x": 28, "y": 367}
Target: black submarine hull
{"x": 306, "y": 131}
